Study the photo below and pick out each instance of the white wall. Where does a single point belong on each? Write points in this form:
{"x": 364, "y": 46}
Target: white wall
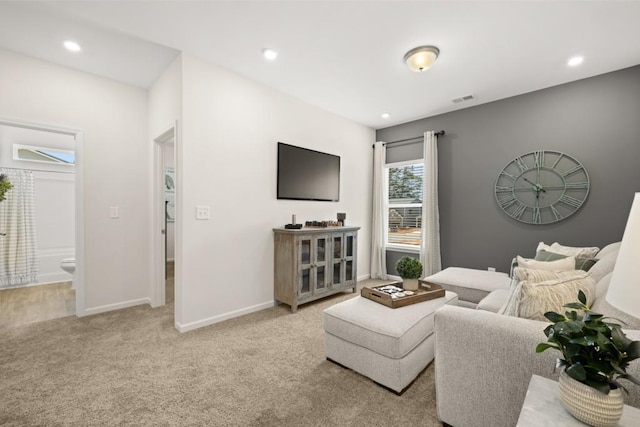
{"x": 227, "y": 160}
{"x": 113, "y": 118}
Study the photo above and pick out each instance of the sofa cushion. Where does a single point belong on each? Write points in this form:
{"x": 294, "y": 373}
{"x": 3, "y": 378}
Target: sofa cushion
{"x": 601, "y": 306}
{"x": 581, "y": 263}
{"x": 470, "y": 285}
{"x": 612, "y": 247}
{"x": 565, "y": 264}
{"x": 531, "y": 300}
{"x": 494, "y": 301}
{"x": 604, "y": 266}
{"x": 578, "y": 252}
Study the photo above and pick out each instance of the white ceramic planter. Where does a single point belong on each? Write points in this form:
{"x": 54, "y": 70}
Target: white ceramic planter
{"x": 588, "y": 404}
{"x": 410, "y": 284}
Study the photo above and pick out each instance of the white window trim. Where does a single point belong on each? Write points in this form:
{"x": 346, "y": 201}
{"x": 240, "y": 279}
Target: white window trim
{"x": 398, "y": 247}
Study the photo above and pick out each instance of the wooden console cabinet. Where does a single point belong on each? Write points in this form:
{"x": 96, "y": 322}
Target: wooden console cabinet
{"x": 313, "y": 263}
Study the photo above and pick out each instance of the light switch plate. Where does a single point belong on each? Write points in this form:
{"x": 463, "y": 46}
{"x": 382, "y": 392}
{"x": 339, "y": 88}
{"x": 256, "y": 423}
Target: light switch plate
{"x": 202, "y": 212}
{"x": 113, "y": 212}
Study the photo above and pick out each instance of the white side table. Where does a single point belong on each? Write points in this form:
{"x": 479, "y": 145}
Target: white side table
{"x": 542, "y": 407}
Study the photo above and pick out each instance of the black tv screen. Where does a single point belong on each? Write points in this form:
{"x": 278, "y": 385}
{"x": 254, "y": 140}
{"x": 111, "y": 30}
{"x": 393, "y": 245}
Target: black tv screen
{"x": 305, "y": 174}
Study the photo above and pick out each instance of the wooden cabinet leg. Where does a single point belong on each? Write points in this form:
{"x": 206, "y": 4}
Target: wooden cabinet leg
{"x": 294, "y": 307}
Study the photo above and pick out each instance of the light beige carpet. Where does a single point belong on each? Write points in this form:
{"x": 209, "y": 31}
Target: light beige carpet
{"x": 131, "y": 367}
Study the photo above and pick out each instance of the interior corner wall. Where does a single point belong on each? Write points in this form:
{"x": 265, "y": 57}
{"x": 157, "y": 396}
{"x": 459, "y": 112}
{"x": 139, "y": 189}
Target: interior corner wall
{"x": 228, "y": 162}
{"x": 113, "y": 119}
{"x": 596, "y": 120}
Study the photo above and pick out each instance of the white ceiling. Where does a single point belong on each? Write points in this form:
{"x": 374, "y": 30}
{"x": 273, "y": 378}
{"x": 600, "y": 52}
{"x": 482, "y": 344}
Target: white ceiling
{"x": 343, "y": 56}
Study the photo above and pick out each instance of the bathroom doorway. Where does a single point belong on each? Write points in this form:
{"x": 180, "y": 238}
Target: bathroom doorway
{"x": 41, "y": 233}
{"x": 164, "y": 219}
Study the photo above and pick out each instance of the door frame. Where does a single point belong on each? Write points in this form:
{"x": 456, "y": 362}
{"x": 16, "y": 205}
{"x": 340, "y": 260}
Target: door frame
{"x": 79, "y": 274}
{"x": 158, "y": 231}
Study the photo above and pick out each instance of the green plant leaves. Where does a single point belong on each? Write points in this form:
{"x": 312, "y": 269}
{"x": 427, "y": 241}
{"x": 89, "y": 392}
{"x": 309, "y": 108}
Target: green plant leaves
{"x": 595, "y": 352}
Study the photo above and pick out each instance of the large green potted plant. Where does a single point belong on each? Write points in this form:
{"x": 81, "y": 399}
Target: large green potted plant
{"x": 410, "y": 270}
{"x": 595, "y": 355}
{"x": 5, "y": 186}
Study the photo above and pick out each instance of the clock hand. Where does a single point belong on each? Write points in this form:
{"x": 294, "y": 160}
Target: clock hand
{"x": 536, "y": 187}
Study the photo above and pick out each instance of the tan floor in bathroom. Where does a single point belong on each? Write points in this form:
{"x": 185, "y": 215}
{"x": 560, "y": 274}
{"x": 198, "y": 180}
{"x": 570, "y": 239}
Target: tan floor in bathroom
{"x": 23, "y": 306}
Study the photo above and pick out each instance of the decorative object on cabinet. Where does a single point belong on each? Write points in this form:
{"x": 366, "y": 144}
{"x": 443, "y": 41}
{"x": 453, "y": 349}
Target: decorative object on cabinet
{"x": 314, "y": 263}
{"x": 542, "y": 187}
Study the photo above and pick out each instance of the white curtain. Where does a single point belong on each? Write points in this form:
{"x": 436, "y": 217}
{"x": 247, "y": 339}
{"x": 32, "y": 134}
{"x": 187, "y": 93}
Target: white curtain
{"x": 18, "y": 260}
{"x": 430, "y": 245}
{"x": 379, "y": 219}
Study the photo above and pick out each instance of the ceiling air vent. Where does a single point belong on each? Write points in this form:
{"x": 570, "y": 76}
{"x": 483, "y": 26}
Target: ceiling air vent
{"x": 463, "y": 98}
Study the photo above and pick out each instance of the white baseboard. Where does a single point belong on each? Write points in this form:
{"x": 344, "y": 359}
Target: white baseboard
{"x": 116, "y": 306}
{"x": 363, "y": 277}
{"x": 222, "y": 317}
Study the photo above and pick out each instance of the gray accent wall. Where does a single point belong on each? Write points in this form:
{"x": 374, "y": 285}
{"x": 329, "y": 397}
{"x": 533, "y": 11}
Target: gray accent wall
{"x": 595, "y": 120}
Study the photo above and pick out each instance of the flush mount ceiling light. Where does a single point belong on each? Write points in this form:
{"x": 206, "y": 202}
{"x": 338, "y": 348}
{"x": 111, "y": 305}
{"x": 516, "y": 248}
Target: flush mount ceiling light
{"x": 72, "y": 46}
{"x": 386, "y": 115}
{"x": 269, "y": 54}
{"x": 421, "y": 58}
{"x": 575, "y": 61}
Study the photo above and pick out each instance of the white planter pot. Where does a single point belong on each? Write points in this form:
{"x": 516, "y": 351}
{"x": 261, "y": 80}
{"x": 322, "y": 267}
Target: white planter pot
{"x": 410, "y": 284}
{"x": 588, "y": 404}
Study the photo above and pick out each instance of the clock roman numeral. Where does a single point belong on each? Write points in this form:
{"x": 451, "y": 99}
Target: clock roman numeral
{"x": 504, "y": 189}
{"x": 556, "y": 213}
{"x": 521, "y": 164}
{"x": 557, "y": 160}
{"x": 508, "y": 175}
{"x": 536, "y": 215}
{"x": 572, "y": 170}
{"x": 507, "y": 201}
{"x": 577, "y": 185}
{"x": 570, "y": 201}
{"x": 538, "y": 159}
{"x": 517, "y": 213}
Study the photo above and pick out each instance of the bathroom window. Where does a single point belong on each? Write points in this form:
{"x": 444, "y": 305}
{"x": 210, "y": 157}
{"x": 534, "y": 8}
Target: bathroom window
{"x": 30, "y": 153}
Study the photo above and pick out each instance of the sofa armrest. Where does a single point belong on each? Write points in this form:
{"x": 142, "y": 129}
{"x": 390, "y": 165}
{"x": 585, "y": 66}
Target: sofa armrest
{"x": 484, "y": 362}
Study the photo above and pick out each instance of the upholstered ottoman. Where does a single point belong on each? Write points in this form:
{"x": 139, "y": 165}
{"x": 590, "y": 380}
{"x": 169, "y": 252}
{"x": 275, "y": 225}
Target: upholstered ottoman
{"x": 470, "y": 285}
{"x": 390, "y": 346}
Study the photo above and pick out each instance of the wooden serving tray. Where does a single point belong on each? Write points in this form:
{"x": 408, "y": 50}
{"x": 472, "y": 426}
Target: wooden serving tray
{"x": 426, "y": 291}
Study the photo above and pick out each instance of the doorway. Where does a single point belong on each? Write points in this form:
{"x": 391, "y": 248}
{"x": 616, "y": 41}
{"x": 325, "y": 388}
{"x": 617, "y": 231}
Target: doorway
{"x": 50, "y": 172}
{"x": 164, "y": 217}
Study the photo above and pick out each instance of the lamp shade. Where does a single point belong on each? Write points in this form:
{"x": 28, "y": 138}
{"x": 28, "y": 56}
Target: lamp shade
{"x": 421, "y": 58}
{"x": 624, "y": 288}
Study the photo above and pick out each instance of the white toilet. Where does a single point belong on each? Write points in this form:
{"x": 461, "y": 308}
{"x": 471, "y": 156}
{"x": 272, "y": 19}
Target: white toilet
{"x": 68, "y": 265}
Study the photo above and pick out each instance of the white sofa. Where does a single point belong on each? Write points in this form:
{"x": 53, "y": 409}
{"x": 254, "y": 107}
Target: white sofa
{"x": 484, "y": 360}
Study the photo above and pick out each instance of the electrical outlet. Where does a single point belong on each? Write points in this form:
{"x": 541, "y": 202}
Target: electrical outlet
{"x": 113, "y": 212}
{"x": 202, "y": 212}
{"x": 491, "y": 269}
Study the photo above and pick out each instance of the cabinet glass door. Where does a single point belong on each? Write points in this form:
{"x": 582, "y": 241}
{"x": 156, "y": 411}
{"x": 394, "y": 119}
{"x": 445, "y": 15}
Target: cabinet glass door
{"x": 320, "y": 263}
{"x": 336, "y": 278}
{"x": 305, "y": 269}
{"x": 349, "y": 259}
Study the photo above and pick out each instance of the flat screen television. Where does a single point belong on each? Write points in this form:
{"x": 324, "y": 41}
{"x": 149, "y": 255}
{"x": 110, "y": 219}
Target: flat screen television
{"x": 305, "y": 174}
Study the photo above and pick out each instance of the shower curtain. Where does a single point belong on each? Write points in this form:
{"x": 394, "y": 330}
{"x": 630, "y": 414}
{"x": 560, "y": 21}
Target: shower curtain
{"x": 18, "y": 261}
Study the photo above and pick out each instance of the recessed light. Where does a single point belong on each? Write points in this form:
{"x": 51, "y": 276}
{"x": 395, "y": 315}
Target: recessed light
{"x": 269, "y": 54}
{"x": 575, "y": 61}
{"x": 386, "y": 115}
{"x": 72, "y": 46}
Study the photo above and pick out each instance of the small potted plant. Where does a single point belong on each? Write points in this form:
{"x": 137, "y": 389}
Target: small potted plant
{"x": 595, "y": 355}
{"x": 5, "y": 186}
{"x": 410, "y": 269}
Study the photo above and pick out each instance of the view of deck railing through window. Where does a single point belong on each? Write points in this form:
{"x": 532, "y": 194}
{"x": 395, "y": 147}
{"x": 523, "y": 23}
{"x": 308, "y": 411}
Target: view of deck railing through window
{"x": 405, "y": 204}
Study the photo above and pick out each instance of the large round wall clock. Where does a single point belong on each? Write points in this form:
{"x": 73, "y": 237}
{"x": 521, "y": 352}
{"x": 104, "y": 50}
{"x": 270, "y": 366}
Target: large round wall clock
{"x": 542, "y": 187}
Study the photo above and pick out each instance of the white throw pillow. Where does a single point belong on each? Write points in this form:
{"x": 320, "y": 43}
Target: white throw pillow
{"x": 520, "y": 275}
{"x": 578, "y": 252}
{"x": 535, "y": 299}
{"x": 565, "y": 264}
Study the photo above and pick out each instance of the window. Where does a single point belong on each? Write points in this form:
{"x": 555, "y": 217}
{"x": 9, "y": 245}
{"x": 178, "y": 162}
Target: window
{"x": 405, "y": 204}
{"x": 30, "y": 153}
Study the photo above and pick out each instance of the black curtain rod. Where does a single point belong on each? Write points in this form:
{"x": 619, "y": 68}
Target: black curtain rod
{"x": 439, "y": 133}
